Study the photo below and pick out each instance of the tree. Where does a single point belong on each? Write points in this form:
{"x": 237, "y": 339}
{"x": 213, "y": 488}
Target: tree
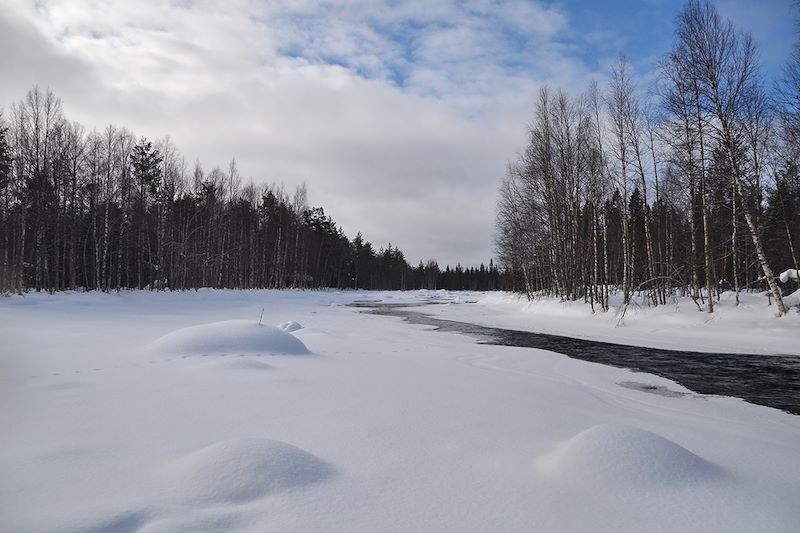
{"x": 5, "y": 214}
{"x": 671, "y": 191}
{"x": 145, "y": 164}
{"x": 724, "y": 65}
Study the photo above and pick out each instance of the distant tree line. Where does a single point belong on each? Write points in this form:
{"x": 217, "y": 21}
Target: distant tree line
{"x": 103, "y": 210}
{"x": 483, "y": 278}
{"x": 692, "y": 187}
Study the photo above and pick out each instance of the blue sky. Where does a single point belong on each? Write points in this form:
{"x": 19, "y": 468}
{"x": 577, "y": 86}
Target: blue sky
{"x": 400, "y": 116}
{"x": 643, "y": 30}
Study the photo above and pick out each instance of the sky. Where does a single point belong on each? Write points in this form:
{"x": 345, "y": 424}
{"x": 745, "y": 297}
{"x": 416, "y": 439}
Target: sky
{"x": 400, "y": 116}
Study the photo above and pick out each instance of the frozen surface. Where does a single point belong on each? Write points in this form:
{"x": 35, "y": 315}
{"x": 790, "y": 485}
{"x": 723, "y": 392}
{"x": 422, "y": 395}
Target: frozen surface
{"x": 384, "y": 427}
{"x": 229, "y": 337}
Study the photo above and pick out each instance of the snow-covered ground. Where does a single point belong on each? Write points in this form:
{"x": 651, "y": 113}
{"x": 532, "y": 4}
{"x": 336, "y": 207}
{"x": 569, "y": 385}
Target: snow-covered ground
{"x": 752, "y": 327}
{"x": 119, "y": 414}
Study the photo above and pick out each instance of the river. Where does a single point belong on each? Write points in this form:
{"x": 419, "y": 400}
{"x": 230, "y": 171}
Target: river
{"x": 771, "y": 380}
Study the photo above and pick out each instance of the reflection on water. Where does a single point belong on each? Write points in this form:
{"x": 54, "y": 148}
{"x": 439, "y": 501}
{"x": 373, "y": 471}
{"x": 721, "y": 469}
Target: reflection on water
{"x": 771, "y": 380}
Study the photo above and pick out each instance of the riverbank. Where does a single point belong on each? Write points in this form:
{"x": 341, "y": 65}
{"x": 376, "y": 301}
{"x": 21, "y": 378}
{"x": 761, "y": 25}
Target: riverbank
{"x": 750, "y": 327}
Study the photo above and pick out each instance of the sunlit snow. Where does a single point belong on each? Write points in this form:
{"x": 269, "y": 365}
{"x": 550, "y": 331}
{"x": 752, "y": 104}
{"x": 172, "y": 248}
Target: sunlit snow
{"x": 164, "y": 412}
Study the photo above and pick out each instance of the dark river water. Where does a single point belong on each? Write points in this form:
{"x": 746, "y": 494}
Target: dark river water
{"x": 771, "y": 380}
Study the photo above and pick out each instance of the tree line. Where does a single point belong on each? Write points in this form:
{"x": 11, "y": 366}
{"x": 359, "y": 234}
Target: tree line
{"x": 105, "y": 210}
{"x": 691, "y": 187}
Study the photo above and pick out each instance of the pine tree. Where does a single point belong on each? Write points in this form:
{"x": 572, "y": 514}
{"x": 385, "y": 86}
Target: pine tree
{"x": 146, "y": 171}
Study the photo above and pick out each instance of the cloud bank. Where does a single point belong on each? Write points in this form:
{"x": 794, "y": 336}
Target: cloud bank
{"x": 399, "y": 115}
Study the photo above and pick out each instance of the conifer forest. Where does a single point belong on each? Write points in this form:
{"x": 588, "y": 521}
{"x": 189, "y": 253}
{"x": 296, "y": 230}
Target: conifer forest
{"x": 105, "y": 210}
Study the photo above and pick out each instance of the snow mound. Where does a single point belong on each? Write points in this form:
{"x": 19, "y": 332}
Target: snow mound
{"x": 229, "y": 337}
{"x": 241, "y": 470}
{"x": 792, "y": 300}
{"x": 619, "y": 456}
{"x": 290, "y": 326}
{"x": 789, "y": 274}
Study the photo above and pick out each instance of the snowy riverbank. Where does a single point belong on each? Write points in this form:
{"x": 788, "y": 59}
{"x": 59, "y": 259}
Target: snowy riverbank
{"x": 749, "y": 328}
{"x": 115, "y": 417}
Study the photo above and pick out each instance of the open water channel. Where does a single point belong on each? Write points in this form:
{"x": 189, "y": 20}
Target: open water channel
{"x": 771, "y": 380}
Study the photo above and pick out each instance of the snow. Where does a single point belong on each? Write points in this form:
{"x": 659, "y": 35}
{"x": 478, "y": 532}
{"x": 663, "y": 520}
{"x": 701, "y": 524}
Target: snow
{"x": 386, "y": 427}
{"x": 622, "y": 456}
{"x": 786, "y": 275}
{"x": 240, "y": 470}
{"x": 229, "y": 337}
{"x": 792, "y": 300}
{"x": 290, "y": 326}
{"x": 750, "y": 328}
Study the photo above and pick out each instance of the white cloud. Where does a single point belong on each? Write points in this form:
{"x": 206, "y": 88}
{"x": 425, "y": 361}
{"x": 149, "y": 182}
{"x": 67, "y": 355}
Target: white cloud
{"x": 400, "y": 116}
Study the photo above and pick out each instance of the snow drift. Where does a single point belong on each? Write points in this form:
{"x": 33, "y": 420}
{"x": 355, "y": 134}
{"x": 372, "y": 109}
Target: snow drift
{"x": 400, "y": 428}
{"x": 617, "y": 456}
{"x": 242, "y": 470}
{"x": 789, "y": 274}
{"x": 229, "y": 337}
{"x": 290, "y": 326}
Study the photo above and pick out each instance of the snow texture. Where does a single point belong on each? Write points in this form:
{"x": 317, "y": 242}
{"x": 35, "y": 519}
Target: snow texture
{"x": 229, "y": 337}
{"x": 751, "y": 327}
{"x": 786, "y": 275}
{"x": 616, "y": 456}
{"x": 290, "y": 326}
{"x": 390, "y": 427}
{"x": 240, "y": 470}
